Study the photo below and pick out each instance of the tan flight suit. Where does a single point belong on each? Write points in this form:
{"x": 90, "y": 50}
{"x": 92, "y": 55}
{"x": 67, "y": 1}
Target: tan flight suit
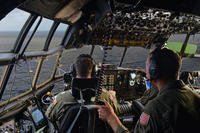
{"x": 65, "y": 99}
{"x": 176, "y": 109}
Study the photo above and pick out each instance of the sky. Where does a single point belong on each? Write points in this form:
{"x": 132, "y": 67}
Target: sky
{"x": 15, "y": 20}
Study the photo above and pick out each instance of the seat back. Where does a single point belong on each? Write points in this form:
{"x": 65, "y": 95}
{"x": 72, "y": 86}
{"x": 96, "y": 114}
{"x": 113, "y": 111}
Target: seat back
{"x": 86, "y": 85}
{"x": 82, "y": 119}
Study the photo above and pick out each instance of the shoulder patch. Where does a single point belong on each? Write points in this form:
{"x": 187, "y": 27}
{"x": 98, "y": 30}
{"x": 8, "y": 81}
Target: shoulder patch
{"x": 144, "y": 119}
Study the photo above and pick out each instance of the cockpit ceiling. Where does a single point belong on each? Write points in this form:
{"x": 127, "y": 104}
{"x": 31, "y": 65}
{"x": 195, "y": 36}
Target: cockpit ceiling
{"x": 118, "y": 22}
{"x": 129, "y": 23}
{"x": 49, "y": 8}
{"x": 142, "y": 27}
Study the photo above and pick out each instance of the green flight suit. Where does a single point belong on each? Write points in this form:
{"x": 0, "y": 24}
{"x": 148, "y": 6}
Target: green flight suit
{"x": 64, "y": 100}
{"x": 176, "y": 109}
{"x": 148, "y": 95}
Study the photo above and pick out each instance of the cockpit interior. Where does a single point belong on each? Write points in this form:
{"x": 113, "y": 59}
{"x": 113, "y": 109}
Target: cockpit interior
{"x": 118, "y": 34}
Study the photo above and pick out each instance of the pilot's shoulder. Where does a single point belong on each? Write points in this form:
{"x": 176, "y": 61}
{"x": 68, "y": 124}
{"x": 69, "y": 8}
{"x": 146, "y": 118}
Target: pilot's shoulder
{"x": 153, "y": 105}
{"x": 68, "y": 92}
{"x": 64, "y": 95}
{"x": 160, "y": 104}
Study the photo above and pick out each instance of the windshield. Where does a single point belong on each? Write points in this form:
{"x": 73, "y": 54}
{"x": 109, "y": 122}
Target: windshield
{"x": 188, "y": 64}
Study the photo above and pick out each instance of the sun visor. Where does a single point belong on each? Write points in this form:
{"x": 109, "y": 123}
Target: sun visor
{"x": 81, "y": 32}
{"x": 46, "y": 8}
{"x": 71, "y": 12}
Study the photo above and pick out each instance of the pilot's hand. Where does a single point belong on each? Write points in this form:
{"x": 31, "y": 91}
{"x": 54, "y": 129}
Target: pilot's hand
{"x": 105, "y": 111}
{"x": 112, "y": 95}
{"x": 107, "y": 114}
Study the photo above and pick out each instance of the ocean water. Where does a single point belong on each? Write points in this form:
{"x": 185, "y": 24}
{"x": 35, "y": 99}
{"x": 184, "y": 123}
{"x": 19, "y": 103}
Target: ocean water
{"x": 23, "y": 72}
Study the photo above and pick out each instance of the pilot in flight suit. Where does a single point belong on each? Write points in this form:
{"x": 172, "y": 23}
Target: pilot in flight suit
{"x": 64, "y": 100}
{"x": 176, "y": 109}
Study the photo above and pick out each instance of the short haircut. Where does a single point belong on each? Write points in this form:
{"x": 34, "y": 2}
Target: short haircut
{"x": 84, "y": 65}
{"x": 167, "y": 62}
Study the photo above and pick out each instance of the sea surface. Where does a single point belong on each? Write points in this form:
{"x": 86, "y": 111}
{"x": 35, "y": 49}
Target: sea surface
{"x": 23, "y": 72}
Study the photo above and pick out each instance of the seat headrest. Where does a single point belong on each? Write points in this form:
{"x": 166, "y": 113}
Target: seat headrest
{"x": 86, "y": 85}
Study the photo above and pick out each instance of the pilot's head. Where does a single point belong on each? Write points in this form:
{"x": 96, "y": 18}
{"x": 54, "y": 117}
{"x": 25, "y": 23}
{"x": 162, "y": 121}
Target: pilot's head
{"x": 84, "y": 71}
{"x": 83, "y": 66}
{"x": 163, "y": 64}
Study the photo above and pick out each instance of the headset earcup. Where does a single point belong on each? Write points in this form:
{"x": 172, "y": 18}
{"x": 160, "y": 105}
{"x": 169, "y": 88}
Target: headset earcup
{"x": 153, "y": 70}
{"x": 73, "y": 70}
{"x": 93, "y": 74}
{"x": 93, "y": 68}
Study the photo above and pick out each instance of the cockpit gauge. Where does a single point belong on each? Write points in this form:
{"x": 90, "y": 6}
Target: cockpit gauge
{"x": 132, "y": 79}
{"x": 131, "y": 83}
{"x": 132, "y": 75}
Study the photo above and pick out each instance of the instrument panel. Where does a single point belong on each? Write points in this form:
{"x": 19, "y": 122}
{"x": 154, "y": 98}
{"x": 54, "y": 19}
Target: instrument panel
{"x": 128, "y": 83}
{"x": 28, "y": 121}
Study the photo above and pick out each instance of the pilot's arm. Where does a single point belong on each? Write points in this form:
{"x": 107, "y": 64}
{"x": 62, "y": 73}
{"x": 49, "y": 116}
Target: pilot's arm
{"x": 60, "y": 104}
{"x": 110, "y": 97}
{"x": 145, "y": 124}
{"x": 53, "y": 108}
{"x": 151, "y": 120}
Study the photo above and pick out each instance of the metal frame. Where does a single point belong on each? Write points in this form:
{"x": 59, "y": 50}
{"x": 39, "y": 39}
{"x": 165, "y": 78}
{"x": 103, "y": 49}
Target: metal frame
{"x": 92, "y": 50}
{"x": 70, "y": 30}
{"x": 23, "y": 33}
{"x": 50, "y": 35}
{"x": 122, "y": 59}
{"x": 13, "y": 102}
{"x": 184, "y": 44}
{"x": 33, "y": 33}
{"x": 10, "y": 58}
{"x": 16, "y": 50}
{"x": 60, "y": 53}
{"x": 7, "y": 58}
{"x": 27, "y": 95}
{"x": 56, "y": 64}
{"x": 45, "y": 48}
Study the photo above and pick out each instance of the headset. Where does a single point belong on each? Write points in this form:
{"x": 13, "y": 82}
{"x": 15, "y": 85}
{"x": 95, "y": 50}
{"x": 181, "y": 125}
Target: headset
{"x": 73, "y": 68}
{"x": 156, "y": 67}
{"x": 153, "y": 70}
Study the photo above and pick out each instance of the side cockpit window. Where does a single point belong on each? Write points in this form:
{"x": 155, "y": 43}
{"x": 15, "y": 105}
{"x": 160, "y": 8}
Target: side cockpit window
{"x": 58, "y": 35}
{"x": 10, "y": 27}
{"x": 34, "y": 62}
{"x": 38, "y": 40}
